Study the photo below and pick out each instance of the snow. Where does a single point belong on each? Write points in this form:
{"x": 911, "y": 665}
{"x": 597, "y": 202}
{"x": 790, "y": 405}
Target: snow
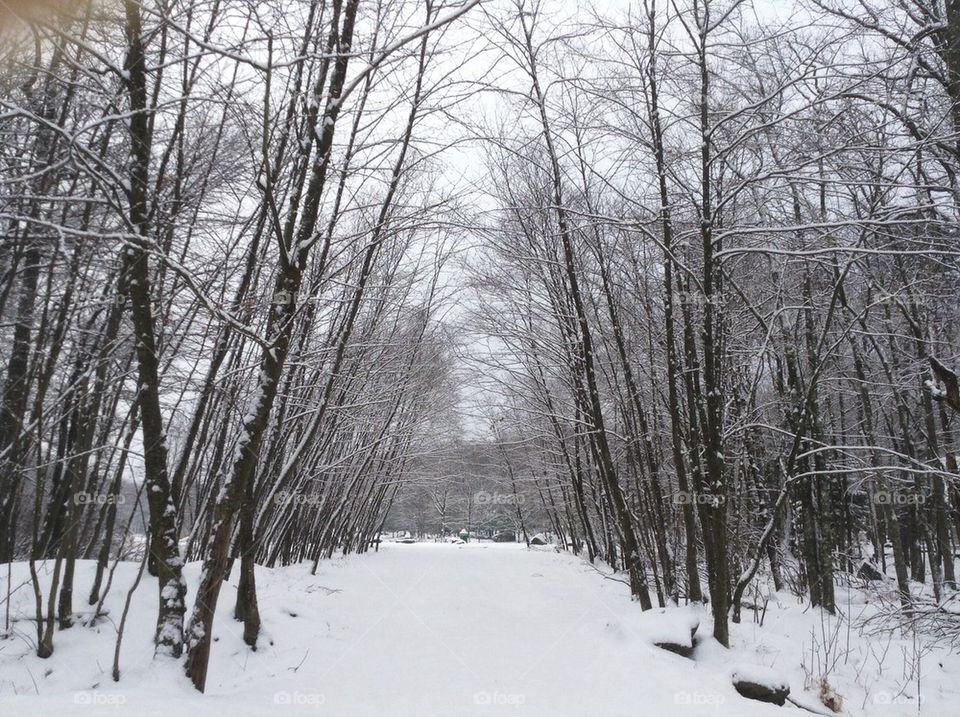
{"x": 445, "y": 629}
{"x": 759, "y": 675}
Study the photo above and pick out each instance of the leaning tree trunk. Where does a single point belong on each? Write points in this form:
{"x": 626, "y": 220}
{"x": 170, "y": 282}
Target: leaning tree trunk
{"x": 713, "y": 510}
{"x": 694, "y": 592}
{"x": 15, "y": 390}
{"x": 598, "y": 436}
{"x": 135, "y": 280}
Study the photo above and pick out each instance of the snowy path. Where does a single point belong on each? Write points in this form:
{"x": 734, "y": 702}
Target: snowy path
{"x": 489, "y": 629}
{"x": 413, "y": 630}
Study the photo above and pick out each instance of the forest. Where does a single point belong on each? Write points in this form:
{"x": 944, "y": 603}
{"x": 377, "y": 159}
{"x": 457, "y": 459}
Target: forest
{"x": 673, "y": 283}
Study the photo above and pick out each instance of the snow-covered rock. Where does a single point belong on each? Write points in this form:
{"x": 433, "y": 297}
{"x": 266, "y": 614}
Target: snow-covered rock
{"x": 673, "y": 629}
{"x": 760, "y": 683}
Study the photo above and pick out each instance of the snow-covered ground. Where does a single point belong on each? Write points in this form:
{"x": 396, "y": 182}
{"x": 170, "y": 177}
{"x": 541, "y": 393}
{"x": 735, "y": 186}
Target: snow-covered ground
{"x": 477, "y": 629}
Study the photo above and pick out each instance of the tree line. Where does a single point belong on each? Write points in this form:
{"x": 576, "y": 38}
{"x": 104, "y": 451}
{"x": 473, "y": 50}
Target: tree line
{"x": 223, "y": 243}
{"x": 703, "y": 282}
{"x": 719, "y": 273}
